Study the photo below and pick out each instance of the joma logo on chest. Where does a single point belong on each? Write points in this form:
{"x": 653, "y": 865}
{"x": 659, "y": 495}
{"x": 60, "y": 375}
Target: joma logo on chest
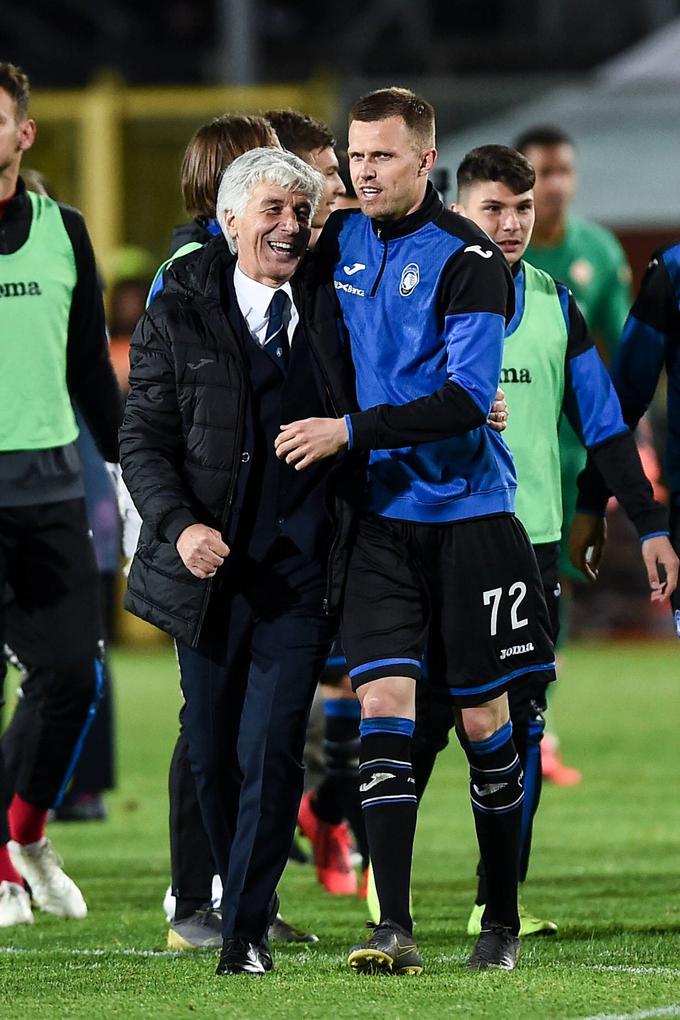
{"x": 30, "y": 289}
{"x": 515, "y": 375}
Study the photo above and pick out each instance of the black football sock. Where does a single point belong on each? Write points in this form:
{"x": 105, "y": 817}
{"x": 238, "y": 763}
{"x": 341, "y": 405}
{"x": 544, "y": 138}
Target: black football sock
{"x": 424, "y": 757}
{"x": 496, "y": 793}
{"x": 334, "y": 795}
{"x": 530, "y": 757}
{"x": 389, "y": 805}
{"x": 527, "y": 733}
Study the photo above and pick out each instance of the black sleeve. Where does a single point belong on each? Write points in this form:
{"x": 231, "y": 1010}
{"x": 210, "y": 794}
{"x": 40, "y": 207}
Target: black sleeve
{"x": 655, "y": 304}
{"x": 648, "y": 334}
{"x": 151, "y": 438}
{"x": 448, "y": 412}
{"x": 90, "y": 377}
{"x": 477, "y": 279}
{"x": 615, "y": 467}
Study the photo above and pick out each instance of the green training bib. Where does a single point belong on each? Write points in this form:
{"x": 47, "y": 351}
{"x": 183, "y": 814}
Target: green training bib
{"x": 533, "y": 380}
{"x": 36, "y": 288}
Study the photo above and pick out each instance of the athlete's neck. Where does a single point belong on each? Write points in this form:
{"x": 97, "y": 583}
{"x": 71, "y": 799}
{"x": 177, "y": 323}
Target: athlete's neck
{"x": 8, "y": 183}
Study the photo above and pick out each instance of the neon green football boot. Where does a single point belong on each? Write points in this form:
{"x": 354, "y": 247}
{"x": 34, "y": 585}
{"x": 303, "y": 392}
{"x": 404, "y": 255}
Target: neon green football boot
{"x": 529, "y": 923}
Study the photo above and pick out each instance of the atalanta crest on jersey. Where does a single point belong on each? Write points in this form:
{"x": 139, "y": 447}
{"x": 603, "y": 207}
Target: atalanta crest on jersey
{"x": 410, "y": 278}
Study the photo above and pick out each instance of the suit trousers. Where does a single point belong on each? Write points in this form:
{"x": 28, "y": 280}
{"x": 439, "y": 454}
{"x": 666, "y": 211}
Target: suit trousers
{"x": 248, "y": 688}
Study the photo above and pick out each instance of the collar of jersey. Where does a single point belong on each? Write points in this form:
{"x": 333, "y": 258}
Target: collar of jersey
{"x": 18, "y": 201}
{"x": 429, "y": 210}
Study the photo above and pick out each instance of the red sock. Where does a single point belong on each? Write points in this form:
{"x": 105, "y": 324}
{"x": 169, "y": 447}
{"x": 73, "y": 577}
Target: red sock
{"x": 8, "y": 873}
{"x": 26, "y": 821}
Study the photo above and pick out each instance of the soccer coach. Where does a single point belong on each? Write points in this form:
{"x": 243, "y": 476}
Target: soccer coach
{"x": 237, "y": 558}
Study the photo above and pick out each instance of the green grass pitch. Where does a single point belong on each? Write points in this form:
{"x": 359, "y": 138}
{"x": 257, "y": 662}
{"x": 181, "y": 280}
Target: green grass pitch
{"x": 606, "y": 867}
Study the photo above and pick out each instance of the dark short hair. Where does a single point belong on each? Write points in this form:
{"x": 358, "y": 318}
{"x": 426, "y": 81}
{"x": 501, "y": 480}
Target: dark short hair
{"x": 215, "y": 145}
{"x": 15, "y": 82}
{"x": 416, "y": 112}
{"x": 298, "y": 132}
{"x": 496, "y": 163}
{"x": 344, "y": 174}
{"x": 544, "y": 134}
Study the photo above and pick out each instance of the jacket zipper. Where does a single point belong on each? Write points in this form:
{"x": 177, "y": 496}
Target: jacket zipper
{"x": 334, "y": 544}
{"x": 225, "y": 513}
{"x": 382, "y": 264}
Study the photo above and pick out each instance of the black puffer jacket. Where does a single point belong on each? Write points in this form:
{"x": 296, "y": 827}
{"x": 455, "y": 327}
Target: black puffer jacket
{"x": 180, "y": 442}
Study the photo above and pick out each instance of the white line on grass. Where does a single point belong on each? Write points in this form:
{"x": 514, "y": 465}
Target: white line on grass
{"x": 661, "y": 1011}
{"x": 611, "y": 968}
{"x": 620, "y": 968}
{"x": 17, "y": 951}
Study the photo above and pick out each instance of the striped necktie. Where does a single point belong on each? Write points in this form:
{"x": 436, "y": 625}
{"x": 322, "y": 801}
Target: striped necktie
{"x": 276, "y": 339}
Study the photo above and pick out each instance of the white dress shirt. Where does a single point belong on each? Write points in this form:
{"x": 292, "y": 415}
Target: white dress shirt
{"x": 254, "y": 300}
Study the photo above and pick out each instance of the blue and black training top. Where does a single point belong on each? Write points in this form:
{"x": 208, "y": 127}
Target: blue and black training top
{"x": 425, "y": 300}
{"x": 650, "y": 340}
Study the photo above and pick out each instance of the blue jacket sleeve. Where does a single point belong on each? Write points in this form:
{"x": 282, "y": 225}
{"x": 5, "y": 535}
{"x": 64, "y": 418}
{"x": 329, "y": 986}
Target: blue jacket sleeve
{"x": 590, "y": 401}
{"x": 653, "y": 321}
{"x": 593, "y": 409}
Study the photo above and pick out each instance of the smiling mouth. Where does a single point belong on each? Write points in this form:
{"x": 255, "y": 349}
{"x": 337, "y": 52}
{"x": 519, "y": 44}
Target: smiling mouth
{"x": 369, "y": 192}
{"x": 283, "y": 248}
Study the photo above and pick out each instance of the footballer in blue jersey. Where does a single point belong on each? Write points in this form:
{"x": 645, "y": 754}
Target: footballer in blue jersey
{"x": 425, "y": 297}
{"x": 649, "y": 343}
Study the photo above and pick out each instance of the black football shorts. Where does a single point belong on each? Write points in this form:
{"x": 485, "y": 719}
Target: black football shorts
{"x": 475, "y": 583}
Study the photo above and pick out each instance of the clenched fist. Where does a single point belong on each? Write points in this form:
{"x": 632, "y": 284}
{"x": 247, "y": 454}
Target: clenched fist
{"x": 202, "y": 550}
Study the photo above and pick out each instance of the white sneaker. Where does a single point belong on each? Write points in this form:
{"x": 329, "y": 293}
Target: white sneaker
{"x": 51, "y": 889}
{"x": 15, "y": 905}
{"x": 169, "y": 904}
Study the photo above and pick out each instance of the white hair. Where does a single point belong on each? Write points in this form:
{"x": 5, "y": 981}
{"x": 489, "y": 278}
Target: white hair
{"x": 275, "y": 166}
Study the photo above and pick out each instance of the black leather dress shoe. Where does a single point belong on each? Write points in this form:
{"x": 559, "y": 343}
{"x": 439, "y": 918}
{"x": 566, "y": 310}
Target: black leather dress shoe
{"x": 239, "y": 956}
{"x": 265, "y": 954}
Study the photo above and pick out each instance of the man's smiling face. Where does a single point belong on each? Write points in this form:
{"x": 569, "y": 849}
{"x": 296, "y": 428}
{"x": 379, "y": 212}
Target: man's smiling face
{"x": 272, "y": 233}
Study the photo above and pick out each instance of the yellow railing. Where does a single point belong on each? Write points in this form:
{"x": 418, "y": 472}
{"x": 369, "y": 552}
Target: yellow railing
{"x": 85, "y": 137}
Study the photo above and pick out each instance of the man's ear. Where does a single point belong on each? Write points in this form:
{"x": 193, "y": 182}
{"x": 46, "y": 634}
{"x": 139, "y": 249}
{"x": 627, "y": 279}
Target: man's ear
{"x": 232, "y": 225}
{"x": 455, "y": 207}
{"x": 428, "y": 158}
{"x": 27, "y": 133}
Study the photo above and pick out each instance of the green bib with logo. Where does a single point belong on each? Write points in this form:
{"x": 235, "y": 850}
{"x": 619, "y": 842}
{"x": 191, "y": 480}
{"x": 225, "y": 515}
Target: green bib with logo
{"x": 36, "y": 287}
{"x": 533, "y": 380}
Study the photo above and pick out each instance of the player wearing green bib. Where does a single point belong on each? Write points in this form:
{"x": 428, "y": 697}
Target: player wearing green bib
{"x": 591, "y": 261}
{"x": 53, "y": 350}
{"x": 550, "y": 369}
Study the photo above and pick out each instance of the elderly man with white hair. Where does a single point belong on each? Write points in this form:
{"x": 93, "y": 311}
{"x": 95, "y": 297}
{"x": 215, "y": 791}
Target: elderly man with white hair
{"x": 241, "y": 557}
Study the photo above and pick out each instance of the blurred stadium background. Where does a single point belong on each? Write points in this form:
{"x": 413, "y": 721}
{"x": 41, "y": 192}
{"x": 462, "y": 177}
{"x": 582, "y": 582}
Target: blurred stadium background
{"x": 119, "y": 87}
